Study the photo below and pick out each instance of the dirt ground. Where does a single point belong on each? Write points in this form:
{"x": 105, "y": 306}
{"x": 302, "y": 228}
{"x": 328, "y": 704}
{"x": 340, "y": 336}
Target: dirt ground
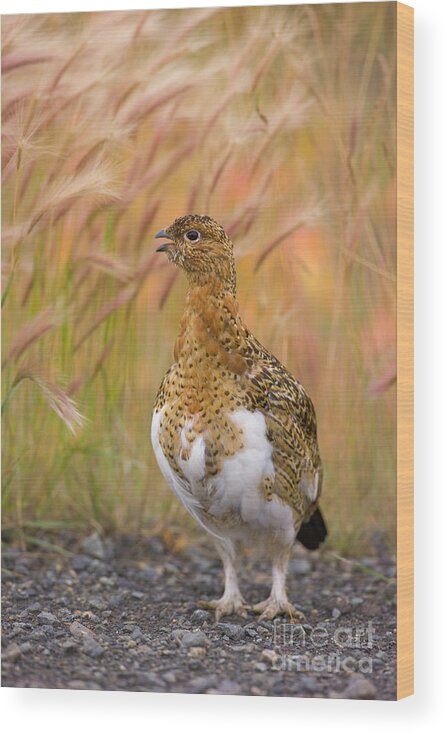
{"x": 124, "y": 615}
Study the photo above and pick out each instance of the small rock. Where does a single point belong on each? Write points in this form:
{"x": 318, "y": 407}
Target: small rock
{"x": 193, "y": 639}
{"x": 356, "y": 601}
{"x": 310, "y": 683}
{"x": 47, "y": 618}
{"x": 98, "y": 603}
{"x": 77, "y": 684}
{"x": 227, "y": 688}
{"x": 202, "y": 683}
{"x": 117, "y": 600}
{"x": 69, "y": 646}
{"x": 266, "y": 625}
{"x": 233, "y": 631}
{"x": 11, "y": 653}
{"x": 169, "y": 677}
{"x": 107, "y": 581}
{"x": 197, "y": 652}
{"x": 150, "y": 680}
{"x": 93, "y": 546}
{"x": 260, "y": 667}
{"x": 251, "y": 632}
{"x": 270, "y": 656}
{"x": 17, "y": 629}
{"x": 137, "y": 595}
{"x": 300, "y": 566}
{"x": 194, "y": 664}
{"x": 200, "y": 616}
{"x": 38, "y": 634}
{"x": 359, "y": 688}
{"x": 381, "y": 655}
{"x": 80, "y": 562}
{"x": 336, "y": 613}
{"x": 145, "y": 650}
{"x": 136, "y": 633}
{"x": 177, "y": 635}
{"x": 79, "y": 631}
{"x": 48, "y": 629}
{"x": 35, "y": 607}
{"x": 92, "y": 648}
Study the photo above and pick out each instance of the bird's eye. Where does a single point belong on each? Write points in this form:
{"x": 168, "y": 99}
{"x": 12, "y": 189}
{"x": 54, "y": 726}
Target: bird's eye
{"x": 192, "y": 235}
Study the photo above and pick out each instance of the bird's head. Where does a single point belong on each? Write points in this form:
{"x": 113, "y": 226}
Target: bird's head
{"x": 200, "y": 246}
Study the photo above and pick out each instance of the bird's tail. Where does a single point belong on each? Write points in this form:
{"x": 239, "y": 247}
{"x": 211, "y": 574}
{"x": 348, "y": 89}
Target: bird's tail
{"x": 313, "y": 532}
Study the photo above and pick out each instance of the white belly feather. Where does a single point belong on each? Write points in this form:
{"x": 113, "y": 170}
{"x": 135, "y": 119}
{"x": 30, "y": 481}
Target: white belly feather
{"x": 237, "y": 486}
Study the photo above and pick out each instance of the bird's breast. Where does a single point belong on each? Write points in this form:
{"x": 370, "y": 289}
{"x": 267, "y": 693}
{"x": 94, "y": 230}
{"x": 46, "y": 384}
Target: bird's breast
{"x": 225, "y": 467}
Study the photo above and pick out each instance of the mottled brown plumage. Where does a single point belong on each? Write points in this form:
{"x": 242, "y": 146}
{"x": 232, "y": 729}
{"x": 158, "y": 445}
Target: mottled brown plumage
{"x": 233, "y": 431}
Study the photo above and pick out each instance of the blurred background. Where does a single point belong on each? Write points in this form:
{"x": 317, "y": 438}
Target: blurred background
{"x": 279, "y": 122}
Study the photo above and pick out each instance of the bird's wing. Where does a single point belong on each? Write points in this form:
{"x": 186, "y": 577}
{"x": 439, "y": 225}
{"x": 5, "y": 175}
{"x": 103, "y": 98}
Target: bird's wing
{"x": 291, "y": 428}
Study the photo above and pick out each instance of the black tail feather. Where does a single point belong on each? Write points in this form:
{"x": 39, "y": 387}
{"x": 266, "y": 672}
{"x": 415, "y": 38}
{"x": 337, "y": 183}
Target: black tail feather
{"x": 313, "y": 532}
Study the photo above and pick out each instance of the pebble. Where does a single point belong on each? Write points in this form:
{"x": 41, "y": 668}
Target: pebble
{"x": 177, "y": 635}
{"x": 169, "y": 677}
{"x": 150, "y": 680}
{"x": 227, "y": 687}
{"x": 77, "y": 684}
{"x": 194, "y": 639}
{"x": 197, "y": 652}
{"x": 310, "y": 683}
{"x": 35, "y": 607}
{"x": 261, "y": 667}
{"x": 251, "y": 632}
{"x": 136, "y": 633}
{"x": 11, "y": 653}
{"x": 80, "y": 562}
{"x": 92, "y": 648}
{"x": 202, "y": 683}
{"x": 98, "y": 603}
{"x": 358, "y": 688}
{"x": 69, "y": 646}
{"x": 233, "y": 631}
{"x": 48, "y": 630}
{"x": 80, "y": 631}
{"x": 37, "y": 634}
{"x": 93, "y": 546}
{"x": 107, "y": 581}
{"x": 270, "y": 656}
{"x": 200, "y": 616}
{"x": 300, "y": 566}
{"x": 47, "y": 618}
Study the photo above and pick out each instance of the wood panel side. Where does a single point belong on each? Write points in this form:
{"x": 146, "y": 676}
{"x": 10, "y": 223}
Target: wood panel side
{"x": 405, "y": 242}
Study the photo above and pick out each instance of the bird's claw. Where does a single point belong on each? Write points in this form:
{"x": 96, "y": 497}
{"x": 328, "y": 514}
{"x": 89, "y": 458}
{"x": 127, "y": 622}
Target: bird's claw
{"x": 224, "y": 607}
{"x": 271, "y": 608}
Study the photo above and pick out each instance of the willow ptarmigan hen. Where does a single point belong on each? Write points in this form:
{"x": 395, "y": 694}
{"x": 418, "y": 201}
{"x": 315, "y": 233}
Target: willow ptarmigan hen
{"x": 233, "y": 432}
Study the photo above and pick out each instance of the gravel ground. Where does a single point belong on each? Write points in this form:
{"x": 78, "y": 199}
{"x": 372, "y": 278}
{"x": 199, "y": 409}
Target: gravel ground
{"x": 123, "y": 615}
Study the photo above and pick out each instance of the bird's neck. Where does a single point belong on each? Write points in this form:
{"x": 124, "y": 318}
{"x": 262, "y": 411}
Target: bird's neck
{"x": 209, "y": 327}
{"x": 221, "y": 281}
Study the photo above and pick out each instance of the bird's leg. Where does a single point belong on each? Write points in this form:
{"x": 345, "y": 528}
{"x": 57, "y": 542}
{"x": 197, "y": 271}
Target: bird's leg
{"x": 278, "y": 603}
{"x": 231, "y": 601}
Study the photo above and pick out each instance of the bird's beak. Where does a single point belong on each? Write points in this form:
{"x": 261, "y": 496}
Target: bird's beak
{"x": 165, "y": 246}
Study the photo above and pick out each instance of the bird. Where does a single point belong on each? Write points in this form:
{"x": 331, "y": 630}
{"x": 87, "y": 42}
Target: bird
{"x": 233, "y": 432}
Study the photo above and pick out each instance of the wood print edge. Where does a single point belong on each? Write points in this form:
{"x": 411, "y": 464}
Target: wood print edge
{"x": 405, "y": 242}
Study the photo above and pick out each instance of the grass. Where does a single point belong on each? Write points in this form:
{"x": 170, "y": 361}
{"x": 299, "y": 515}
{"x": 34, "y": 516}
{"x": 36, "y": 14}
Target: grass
{"x": 277, "y": 121}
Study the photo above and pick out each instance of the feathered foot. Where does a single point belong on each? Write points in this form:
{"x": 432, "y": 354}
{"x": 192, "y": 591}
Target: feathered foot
{"x": 226, "y": 605}
{"x": 273, "y": 607}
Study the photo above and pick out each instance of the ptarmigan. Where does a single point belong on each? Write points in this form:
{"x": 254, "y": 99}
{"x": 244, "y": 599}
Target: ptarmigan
{"x": 233, "y": 432}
